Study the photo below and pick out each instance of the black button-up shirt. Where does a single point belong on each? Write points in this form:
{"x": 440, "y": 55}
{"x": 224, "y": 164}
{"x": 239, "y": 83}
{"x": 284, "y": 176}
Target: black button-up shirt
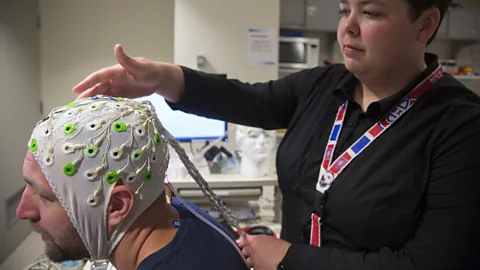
{"x": 408, "y": 201}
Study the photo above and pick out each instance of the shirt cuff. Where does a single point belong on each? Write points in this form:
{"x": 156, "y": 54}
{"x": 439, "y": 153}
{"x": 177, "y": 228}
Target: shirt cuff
{"x": 189, "y": 78}
{"x": 299, "y": 256}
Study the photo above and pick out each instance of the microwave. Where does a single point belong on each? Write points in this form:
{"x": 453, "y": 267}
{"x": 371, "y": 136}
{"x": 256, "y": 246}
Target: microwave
{"x": 296, "y": 53}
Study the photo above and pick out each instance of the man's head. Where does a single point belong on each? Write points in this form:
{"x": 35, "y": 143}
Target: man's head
{"x": 40, "y": 205}
{"x": 381, "y": 35}
{"x": 92, "y": 168}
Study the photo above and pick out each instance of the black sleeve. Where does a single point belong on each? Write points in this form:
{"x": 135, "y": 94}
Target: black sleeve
{"x": 269, "y": 105}
{"x": 447, "y": 236}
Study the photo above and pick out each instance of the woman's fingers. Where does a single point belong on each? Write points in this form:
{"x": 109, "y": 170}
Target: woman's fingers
{"x": 126, "y": 79}
{"x": 247, "y": 255}
{"x": 100, "y": 76}
{"x": 99, "y": 89}
{"x": 131, "y": 65}
{"x": 249, "y": 261}
{"x": 245, "y": 252}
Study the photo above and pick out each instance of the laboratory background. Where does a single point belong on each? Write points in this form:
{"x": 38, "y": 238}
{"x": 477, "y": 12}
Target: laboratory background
{"x": 48, "y": 46}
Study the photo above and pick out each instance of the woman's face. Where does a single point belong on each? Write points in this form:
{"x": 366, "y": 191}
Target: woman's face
{"x": 376, "y": 35}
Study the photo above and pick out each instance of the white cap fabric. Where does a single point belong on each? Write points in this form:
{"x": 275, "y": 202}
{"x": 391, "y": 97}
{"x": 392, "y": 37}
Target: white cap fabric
{"x": 86, "y": 147}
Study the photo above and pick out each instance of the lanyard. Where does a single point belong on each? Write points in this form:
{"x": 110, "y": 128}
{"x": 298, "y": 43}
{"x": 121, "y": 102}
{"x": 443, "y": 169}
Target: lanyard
{"x": 330, "y": 170}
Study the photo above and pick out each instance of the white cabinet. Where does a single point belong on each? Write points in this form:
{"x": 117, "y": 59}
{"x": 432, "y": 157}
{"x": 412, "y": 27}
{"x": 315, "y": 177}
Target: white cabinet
{"x": 322, "y": 15}
{"x": 293, "y": 14}
{"x": 464, "y": 24}
{"x": 316, "y": 15}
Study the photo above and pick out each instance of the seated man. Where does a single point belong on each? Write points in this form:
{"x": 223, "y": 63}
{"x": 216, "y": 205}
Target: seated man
{"x": 95, "y": 174}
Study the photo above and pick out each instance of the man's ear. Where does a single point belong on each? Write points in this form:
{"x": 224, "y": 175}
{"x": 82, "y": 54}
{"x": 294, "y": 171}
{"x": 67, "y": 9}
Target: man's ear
{"x": 120, "y": 205}
{"x": 427, "y": 24}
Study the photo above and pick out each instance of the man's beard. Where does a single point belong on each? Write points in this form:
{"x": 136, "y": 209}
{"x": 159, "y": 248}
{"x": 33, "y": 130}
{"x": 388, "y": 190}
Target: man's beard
{"x": 66, "y": 246}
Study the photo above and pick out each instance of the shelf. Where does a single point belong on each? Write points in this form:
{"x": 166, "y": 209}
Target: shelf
{"x": 466, "y": 77}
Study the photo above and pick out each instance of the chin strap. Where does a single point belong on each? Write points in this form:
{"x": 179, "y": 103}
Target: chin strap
{"x": 99, "y": 265}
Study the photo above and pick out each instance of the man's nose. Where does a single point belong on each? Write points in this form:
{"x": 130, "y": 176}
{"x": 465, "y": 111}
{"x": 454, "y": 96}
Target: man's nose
{"x": 27, "y": 208}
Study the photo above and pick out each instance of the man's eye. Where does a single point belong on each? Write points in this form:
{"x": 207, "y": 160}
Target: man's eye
{"x": 343, "y": 12}
{"x": 43, "y": 199}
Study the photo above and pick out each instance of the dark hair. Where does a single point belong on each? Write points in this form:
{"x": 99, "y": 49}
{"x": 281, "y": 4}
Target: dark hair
{"x": 417, "y": 7}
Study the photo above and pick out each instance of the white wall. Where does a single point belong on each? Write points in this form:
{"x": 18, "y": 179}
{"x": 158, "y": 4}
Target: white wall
{"x": 218, "y": 30}
{"x": 19, "y": 111}
{"x": 78, "y": 37}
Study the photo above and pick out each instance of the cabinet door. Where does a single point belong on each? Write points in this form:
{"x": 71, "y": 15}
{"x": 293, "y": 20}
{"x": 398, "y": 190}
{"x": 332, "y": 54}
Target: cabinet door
{"x": 477, "y": 24}
{"x": 463, "y": 24}
{"x": 322, "y": 15}
{"x": 292, "y": 14}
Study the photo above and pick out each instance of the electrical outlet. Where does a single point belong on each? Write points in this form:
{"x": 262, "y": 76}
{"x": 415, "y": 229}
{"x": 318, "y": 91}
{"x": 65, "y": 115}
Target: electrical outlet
{"x": 201, "y": 60}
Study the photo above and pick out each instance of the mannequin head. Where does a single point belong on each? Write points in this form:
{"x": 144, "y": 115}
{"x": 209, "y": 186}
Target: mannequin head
{"x": 256, "y": 146}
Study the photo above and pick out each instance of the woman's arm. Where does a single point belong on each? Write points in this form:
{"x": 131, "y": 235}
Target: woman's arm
{"x": 269, "y": 105}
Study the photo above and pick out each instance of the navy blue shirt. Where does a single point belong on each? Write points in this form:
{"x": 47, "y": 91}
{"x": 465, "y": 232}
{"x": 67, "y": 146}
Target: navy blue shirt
{"x": 195, "y": 246}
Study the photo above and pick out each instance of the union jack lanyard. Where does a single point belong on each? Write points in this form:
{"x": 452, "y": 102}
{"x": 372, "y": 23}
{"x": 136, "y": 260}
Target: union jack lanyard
{"x": 330, "y": 170}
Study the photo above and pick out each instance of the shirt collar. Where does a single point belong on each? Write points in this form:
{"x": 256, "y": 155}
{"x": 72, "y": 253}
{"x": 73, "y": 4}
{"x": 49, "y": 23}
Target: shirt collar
{"x": 344, "y": 89}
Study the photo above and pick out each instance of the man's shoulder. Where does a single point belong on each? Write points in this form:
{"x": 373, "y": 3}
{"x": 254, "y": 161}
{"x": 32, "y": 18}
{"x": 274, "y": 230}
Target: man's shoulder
{"x": 196, "y": 245}
{"x": 197, "y": 219}
{"x": 185, "y": 207}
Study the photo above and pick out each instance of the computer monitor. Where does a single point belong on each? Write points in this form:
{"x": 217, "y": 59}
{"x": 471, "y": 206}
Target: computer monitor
{"x": 183, "y": 126}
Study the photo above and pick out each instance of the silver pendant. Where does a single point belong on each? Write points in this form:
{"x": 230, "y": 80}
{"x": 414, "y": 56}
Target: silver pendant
{"x": 327, "y": 179}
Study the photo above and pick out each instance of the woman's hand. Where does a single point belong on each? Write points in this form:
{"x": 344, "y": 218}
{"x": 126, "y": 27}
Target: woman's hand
{"x": 132, "y": 78}
{"x": 264, "y": 252}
